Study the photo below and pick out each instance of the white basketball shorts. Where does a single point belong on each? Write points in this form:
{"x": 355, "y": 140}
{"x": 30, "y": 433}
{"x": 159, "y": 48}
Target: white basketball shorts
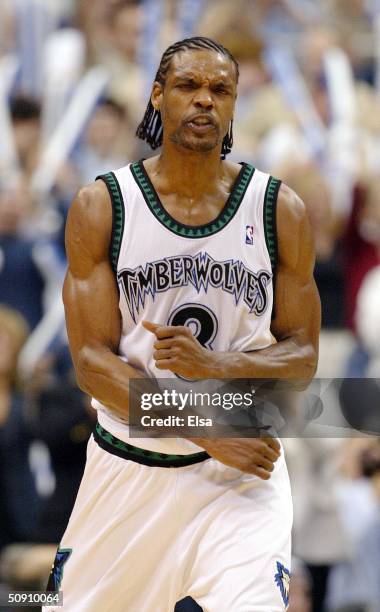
{"x": 148, "y": 529}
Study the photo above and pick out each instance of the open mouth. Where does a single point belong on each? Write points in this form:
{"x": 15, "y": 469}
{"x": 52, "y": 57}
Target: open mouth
{"x": 201, "y": 124}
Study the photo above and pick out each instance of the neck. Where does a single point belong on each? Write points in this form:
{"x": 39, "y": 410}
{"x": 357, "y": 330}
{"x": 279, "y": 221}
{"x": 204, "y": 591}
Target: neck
{"x": 189, "y": 173}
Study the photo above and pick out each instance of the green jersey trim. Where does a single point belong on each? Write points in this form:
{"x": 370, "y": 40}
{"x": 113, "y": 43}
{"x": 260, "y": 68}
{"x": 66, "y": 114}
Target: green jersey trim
{"x": 192, "y": 231}
{"x": 113, "y": 445}
{"x": 118, "y": 216}
{"x": 270, "y": 226}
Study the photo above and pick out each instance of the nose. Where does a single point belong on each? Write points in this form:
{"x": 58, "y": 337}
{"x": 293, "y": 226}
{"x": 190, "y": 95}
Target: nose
{"x": 203, "y": 99}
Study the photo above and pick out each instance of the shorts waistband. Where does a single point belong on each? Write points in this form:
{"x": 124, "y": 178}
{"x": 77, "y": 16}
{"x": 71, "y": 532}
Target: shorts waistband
{"x": 113, "y": 445}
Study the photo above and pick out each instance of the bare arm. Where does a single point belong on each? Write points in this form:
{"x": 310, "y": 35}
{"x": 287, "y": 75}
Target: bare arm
{"x": 91, "y": 300}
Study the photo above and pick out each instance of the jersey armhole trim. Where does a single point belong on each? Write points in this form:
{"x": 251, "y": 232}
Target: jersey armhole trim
{"x": 270, "y": 228}
{"x": 118, "y": 216}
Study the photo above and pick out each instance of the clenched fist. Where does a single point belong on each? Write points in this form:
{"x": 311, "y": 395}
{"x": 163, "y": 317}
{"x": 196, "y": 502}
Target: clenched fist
{"x": 177, "y": 350}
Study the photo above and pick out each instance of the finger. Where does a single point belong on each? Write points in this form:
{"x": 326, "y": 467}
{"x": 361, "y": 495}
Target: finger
{"x": 261, "y": 472}
{"x": 150, "y": 326}
{"x": 273, "y": 443}
{"x": 165, "y": 364}
{"x": 264, "y": 463}
{"x": 169, "y": 331}
{"x": 163, "y": 344}
{"x": 270, "y": 454}
{"x": 162, "y": 354}
{"x": 256, "y": 470}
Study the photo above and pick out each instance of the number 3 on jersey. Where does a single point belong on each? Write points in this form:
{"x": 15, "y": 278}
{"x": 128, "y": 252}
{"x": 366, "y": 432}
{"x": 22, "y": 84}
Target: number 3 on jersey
{"x": 201, "y": 320}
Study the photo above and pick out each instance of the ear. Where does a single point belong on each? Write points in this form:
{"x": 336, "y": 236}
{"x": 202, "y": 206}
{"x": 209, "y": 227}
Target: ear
{"x": 156, "y": 97}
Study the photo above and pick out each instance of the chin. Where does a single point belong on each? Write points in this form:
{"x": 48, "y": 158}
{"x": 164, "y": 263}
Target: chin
{"x": 202, "y": 146}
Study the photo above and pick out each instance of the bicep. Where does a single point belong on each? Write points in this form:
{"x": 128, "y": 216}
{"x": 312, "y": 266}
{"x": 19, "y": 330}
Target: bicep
{"x": 90, "y": 292}
{"x": 92, "y": 310}
{"x": 297, "y": 304}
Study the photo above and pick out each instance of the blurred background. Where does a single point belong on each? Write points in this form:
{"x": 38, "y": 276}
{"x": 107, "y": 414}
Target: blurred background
{"x": 75, "y": 77}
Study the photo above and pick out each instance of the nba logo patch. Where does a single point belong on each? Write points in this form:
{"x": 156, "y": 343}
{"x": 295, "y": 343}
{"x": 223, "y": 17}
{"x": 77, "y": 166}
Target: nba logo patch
{"x": 249, "y": 234}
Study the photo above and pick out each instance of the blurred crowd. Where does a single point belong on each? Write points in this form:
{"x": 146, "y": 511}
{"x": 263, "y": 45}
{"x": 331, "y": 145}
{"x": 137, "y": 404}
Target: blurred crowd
{"x": 75, "y": 77}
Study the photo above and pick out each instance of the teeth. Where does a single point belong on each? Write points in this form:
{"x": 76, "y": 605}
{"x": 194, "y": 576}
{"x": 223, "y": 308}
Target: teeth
{"x": 201, "y": 121}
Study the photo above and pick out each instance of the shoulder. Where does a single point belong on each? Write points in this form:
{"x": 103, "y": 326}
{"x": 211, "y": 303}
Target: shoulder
{"x": 291, "y": 210}
{"x": 294, "y": 233}
{"x": 90, "y": 219}
{"x": 91, "y": 208}
{"x": 92, "y": 203}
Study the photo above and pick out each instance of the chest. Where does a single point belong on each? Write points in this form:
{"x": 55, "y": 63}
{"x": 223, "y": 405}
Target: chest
{"x": 194, "y": 211}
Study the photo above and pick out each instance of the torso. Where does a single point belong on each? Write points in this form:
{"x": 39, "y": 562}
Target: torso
{"x": 215, "y": 277}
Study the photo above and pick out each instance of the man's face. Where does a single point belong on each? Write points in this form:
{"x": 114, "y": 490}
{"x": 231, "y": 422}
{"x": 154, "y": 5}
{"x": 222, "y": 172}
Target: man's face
{"x": 197, "y": 100}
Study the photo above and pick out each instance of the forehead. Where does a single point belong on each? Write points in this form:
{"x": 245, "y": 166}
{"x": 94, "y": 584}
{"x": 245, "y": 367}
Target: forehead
{"x": 202, "y": 63}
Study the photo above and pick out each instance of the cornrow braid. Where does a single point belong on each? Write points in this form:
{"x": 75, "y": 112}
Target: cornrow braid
{"x": 150, "y": 128}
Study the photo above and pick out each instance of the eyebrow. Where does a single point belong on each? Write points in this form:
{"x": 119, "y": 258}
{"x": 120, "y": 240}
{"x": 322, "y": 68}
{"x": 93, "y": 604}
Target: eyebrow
{"x": 225, "y": 81}
{"x": 184, "y": 77}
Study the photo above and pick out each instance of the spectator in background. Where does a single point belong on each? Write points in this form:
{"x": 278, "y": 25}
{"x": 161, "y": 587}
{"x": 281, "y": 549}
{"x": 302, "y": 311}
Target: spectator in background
{"x": 300, "y": 588}
{"x": 368, "y": 304}
{"x": 360, "y": 252}
{"x": 366, "y": 359}
{"x": 63, "y": 420}
{"x": 353, "y": 23}
{"x": 253, "y": 87}
{"x": 21, "y": 281}
{"x": 318, "y": 534}
{"x": 107, "y": 142}
{"x": 354, "y": 585}
{"x": 360, "y": 265}
{"x": 113, "y": 31}
{"x": 310, "y": 184}
{"x": 16, "y": 482}
{"x": 7, "y": 27}
{"x": 26, "y": 120}
{"x": 369, "y": 545}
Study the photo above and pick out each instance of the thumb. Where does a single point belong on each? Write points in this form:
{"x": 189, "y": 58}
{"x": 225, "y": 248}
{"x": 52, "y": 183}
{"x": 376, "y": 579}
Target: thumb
{"x": 149, "y": 326}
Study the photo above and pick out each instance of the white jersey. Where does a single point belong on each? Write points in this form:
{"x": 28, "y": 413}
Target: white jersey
{"x": 217, "y": 278}
{"x": 214, "y": 533}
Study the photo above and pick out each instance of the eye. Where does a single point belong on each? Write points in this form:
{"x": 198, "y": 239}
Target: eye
{"x": 186, "y": 86}
{"x": 220, "y": 89}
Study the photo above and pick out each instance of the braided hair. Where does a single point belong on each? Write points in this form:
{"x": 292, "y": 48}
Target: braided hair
{"x": 150, "y": 128}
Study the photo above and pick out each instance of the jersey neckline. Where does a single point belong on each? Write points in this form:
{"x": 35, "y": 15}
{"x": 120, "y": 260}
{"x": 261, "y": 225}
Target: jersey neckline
{"x": 227, "y": 213}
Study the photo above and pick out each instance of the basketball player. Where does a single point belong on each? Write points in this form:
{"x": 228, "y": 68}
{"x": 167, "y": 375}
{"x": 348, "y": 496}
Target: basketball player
{"x": 182, "y": 236}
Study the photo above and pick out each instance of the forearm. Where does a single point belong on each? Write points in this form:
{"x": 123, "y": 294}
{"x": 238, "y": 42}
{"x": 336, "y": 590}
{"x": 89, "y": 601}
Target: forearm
{"x": 285, "y": 359}
{"x": 103, "y": 375}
